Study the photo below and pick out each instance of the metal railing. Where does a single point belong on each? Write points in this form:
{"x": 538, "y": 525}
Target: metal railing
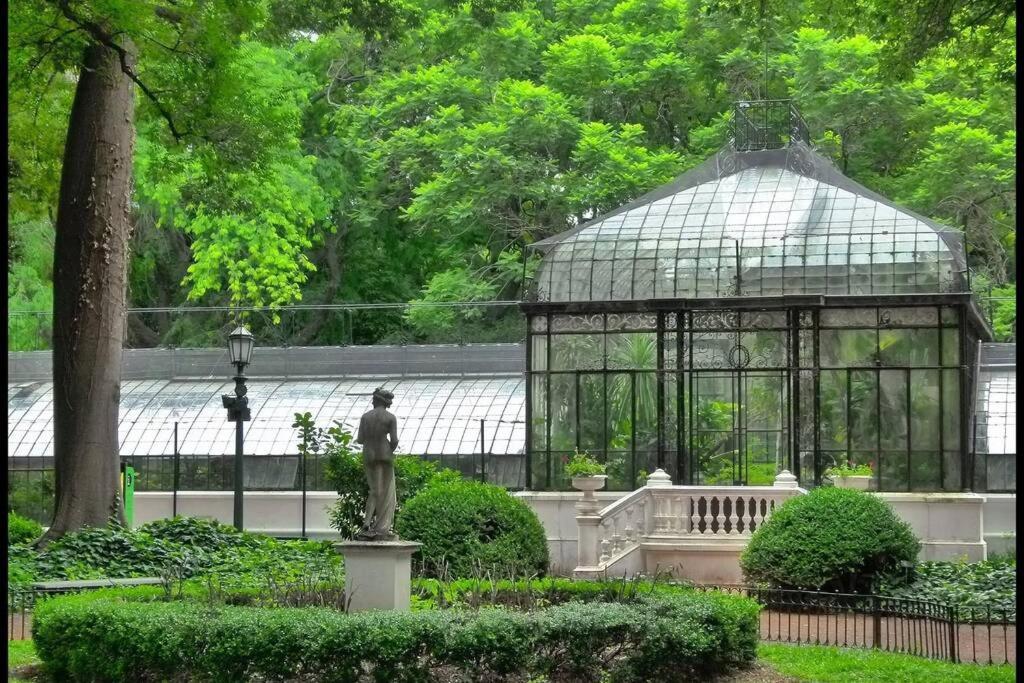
{"x": 955, "y": 633}
{"x": 766, "y": 124}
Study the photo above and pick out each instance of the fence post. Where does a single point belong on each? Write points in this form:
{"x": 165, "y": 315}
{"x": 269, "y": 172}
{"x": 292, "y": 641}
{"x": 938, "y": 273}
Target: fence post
{"x": 876, "y": 623}
{"x": 483, "y": 454}
{"x": 177, "y": 474}
{"x": 953, "y": 634}
{"x": 302, "y": 466}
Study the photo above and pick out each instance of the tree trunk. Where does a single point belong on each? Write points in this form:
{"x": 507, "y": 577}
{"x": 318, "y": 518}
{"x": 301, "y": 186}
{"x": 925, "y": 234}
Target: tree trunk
{"x": 89, "y": 276}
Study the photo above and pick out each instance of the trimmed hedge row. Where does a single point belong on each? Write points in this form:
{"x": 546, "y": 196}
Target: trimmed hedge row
{"x": 120, "y": 636}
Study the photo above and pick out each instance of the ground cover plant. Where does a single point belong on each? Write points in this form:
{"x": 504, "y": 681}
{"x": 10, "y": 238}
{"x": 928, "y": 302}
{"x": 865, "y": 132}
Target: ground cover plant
{"x": 991, "y": 584}
{"x": 655, "y": 635}
{"x": 831, "y": 539}
{"x": 178, "y": 548}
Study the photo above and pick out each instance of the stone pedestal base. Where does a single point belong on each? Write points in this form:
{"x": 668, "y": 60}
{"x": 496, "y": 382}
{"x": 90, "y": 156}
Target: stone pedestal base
{"x": 378, "y": 574}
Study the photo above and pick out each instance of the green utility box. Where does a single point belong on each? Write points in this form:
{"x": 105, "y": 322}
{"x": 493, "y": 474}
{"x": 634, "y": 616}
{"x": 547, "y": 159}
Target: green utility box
{"x": 128, "y": 493}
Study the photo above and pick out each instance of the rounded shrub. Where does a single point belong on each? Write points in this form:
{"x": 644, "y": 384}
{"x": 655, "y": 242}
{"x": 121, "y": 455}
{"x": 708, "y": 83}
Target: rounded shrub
{"x": 832, "y": 539}
{"x": 22, "y": 529}
{"x": 467, "y": 528}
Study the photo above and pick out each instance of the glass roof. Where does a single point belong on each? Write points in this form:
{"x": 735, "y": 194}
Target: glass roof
{"x": 996, "y": 417}
{"x": 752, "y": 224}
{"x": 435, "y": 416}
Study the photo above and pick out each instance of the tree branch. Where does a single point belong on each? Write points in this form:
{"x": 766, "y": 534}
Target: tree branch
{"x": 104, "y": 37}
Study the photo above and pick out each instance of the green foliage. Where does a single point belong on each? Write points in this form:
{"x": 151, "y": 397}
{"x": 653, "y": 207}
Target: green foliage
{"x": 410, "y": 152}
{"x": 177, "y": 548}
{"x": 841, "y": 665}
{"x": 21, "y": 529}
{"x": 831, "y": 539}
{"x": 583, "y": 465}
{"x": 467, "y": 527}
{"x": 345, "y": 472}
{"x": 848, "y": 469}
{"x": 989, "y": 584}
{"x": 678, "y": 637}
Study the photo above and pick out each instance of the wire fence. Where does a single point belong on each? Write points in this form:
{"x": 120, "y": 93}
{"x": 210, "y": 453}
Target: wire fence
{"x": 451, "y": 322}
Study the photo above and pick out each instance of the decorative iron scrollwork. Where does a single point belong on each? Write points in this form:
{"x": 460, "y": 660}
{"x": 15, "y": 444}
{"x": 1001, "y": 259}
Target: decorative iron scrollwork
{"x": 578, "y": 323}
{"x": 739, "y": 356}
{"x": 715, "y": 320}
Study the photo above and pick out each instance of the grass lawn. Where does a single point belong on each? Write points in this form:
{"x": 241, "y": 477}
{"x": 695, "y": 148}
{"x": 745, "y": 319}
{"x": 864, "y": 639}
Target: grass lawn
{"x": 828, "y": 664}
{"x": 20, "y": 653}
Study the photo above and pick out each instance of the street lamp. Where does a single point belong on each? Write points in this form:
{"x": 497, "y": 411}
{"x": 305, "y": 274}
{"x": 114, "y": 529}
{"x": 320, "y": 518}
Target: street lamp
{"x": 240, "y": 352}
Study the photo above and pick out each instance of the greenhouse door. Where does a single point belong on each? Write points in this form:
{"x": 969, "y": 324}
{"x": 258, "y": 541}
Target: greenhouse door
{"x": 736, "y": 426}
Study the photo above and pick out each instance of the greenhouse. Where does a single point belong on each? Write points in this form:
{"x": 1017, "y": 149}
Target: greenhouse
{"x": 761, "y": 312}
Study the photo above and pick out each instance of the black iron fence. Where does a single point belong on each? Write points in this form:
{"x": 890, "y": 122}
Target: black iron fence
{"x": 956, "y": 633}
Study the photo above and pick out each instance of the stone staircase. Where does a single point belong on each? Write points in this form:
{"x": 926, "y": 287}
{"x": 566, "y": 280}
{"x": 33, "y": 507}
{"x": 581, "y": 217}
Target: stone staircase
{"x": 696, "y": 532}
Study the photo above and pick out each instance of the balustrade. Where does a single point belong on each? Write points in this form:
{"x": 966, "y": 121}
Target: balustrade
{"x": 666, "y": 512}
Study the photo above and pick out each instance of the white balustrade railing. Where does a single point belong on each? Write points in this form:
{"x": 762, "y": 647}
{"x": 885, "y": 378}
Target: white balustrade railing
{"x": 662, "y": 512}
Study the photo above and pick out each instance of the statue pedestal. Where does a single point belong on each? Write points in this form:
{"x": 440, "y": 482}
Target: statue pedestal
{"x": 378, "y": 574}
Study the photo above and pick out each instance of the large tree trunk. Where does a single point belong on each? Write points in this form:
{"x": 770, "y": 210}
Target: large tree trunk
{"x": 89, "y": 277}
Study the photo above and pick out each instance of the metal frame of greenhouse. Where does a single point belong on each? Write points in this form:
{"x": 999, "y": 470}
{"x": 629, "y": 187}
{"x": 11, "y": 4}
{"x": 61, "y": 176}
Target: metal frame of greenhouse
{"x": 761, "y": 312}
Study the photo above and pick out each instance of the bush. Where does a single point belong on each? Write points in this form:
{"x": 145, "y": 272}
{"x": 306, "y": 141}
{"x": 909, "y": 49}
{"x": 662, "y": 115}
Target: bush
{"x": 21, "y": 529}
{"x": 831, "y": 539}
{"x": 685, "y": 636}
{"x": 467, "y": 528}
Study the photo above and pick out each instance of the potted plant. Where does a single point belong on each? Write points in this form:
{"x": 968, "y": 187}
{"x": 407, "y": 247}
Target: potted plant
{"x": 587, "y": 473}
{"x": 850, "y": 476}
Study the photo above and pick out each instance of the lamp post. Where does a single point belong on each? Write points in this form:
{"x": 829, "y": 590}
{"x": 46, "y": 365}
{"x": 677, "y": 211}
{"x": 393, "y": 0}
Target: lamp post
{"x": 240, "y": 345}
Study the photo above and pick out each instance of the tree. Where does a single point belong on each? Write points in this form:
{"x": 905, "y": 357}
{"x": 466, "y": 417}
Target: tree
{"x": 90, "y": 268}
{"x": 93, "y": 221}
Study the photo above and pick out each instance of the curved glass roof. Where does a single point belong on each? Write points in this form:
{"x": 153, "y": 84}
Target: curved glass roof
{"x": 752, "y": 224}
{"x": 435, "y": 416}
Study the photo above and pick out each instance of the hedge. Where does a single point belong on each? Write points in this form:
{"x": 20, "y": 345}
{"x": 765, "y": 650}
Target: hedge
{"x": 129, "y": 635}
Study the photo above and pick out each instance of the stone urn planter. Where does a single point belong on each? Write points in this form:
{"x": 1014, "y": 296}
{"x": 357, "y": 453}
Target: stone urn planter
{"x": 588, "y": 485}
{"x": 861, "y": 482}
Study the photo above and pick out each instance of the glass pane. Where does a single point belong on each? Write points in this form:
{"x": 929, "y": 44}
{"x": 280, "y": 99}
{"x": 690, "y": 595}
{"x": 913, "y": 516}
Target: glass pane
{"x": 893, "y": 415}
{"x": 577, "y": 352}
{"x": 539, "y": 352}
{"x": 713, "y": 438}
{"x": 951, "y": 409}
{"x": 924, "y": 471}
{"x": 924, "y": 410}
{"x": 950, "y": 346}
{"x": 832, "y": 428}
{"x": 592, "y": 407}
{"x": 903, "y": 348}
{"x": 848, "y": 348}
{"x": 637, "y": 351}
{"x": 539, "y": 415}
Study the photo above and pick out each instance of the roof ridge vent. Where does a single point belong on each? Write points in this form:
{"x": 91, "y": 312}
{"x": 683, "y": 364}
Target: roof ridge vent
{"x": 766, "y": 124}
